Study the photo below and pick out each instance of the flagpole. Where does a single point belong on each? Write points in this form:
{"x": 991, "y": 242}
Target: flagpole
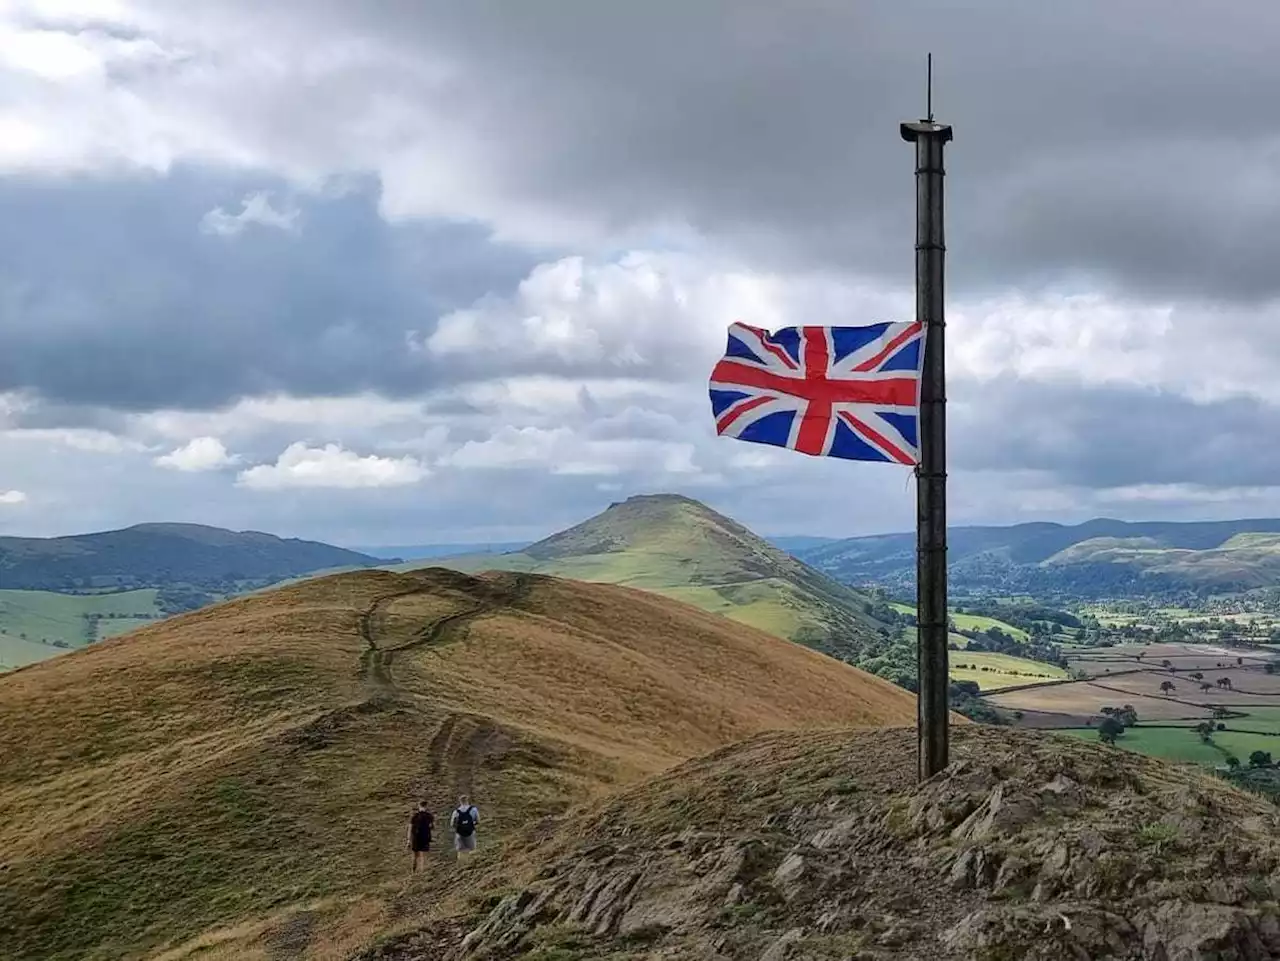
{"x": 932, "y": 700}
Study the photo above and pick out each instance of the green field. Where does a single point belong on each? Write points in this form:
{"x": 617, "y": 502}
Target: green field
{"x": 1265, "y": 720}
{"x": 15, "y": 652}
{"x": 977, "y": 622}
{"x": 1171, "y": 744}
{"x": 969, "y": 622}
{"x": 1002, "y": 670}
{"x": 34, "y": 622}
{"x": 1184, "y": 744}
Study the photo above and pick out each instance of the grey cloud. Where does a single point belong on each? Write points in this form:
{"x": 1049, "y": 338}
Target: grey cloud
{"x": 1111, "y": 437}
{"x": 1134, "y": 142}
{"x": 111, "y": 296}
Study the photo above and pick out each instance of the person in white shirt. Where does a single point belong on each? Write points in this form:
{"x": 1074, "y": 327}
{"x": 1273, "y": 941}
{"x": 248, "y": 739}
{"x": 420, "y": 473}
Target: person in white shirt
{"x": 464, "y": 821}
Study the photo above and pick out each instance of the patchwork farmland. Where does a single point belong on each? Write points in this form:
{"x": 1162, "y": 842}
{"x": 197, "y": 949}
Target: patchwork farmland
{"x": 1173, "y": 689}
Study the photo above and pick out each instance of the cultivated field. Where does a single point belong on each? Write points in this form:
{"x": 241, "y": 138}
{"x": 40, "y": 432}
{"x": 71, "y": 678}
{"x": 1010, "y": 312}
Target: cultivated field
{"x": 978, "y": 622}
{"x": 1096, "y": 661}
{"x": 15, "y": 652}
{"x": 968, "y": 622}
{"x": 1185, "y": 744}
{"x": 42, "y": 618}
{"x": 1245, "y": 686}
{"x": 1136, "y": 675}
{"x": 1086, "y": 699}
{"x": 993, "y": 671}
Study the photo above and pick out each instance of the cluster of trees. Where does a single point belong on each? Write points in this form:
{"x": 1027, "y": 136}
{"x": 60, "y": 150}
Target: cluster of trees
{"x": 965, "y": 699}
{"x": 1258, "y": 760}
{"x": 1026, "y": 615}
{"x": 1206, "y": 729}
{"x": 996, "y": 641}
{"x": 91, "y": 630}
{"x": 1012, "y": 673}
{"x": 1115, "y": 721}
{"x": 180, "y": 598}
{"x": 1062, "y": 583}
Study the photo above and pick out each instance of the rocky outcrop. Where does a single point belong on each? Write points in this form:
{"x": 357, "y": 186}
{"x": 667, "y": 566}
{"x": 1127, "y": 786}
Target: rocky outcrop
{"x": 1026, "y": 847}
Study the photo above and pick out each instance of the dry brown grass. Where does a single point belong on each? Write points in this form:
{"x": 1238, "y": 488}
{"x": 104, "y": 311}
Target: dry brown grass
{"x": 164, "y": 791}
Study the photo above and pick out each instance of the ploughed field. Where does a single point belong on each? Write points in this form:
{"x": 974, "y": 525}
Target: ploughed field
{"x": 1173, "y": 688}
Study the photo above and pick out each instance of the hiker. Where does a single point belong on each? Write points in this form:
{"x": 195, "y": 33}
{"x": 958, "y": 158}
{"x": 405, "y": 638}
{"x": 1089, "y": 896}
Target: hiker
{"x": 464, "y": 819}
{"x": 420, "y": 833}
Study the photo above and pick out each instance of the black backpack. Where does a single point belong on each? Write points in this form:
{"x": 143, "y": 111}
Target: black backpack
{"x": 465, "y": 824}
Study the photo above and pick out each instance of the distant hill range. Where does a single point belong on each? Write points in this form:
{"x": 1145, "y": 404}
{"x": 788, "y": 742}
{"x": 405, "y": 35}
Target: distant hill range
{"x": 155, "y": 555}
{"x": 679, "y": 547}
{"x": 415, "y": 552}
{"x": 237, "y": 775}
{"x": 1099, "y": 558}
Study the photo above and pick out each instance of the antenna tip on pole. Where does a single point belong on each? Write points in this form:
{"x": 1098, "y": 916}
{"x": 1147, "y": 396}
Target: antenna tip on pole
{"x": 929, "y": 86}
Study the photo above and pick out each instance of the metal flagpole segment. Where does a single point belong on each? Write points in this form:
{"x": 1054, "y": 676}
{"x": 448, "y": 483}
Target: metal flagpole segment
{"x": 929, "y": 138}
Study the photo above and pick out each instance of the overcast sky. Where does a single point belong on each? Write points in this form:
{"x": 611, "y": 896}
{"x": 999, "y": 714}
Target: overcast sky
{"x": 402, "y": 271}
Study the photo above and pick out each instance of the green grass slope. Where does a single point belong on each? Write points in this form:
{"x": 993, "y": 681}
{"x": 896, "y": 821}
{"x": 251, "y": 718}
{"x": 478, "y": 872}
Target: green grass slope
{"x": 40, "y": 624}
{"x": 678, "y": 547}
{"x": 209, "y": 772}
{"x": 1244, "y": 560}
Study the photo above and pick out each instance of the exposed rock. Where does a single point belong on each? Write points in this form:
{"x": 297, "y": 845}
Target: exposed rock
{"x": 781, "y": 948}
{"x": 1029, "y": 848}
{"x": 1012, "y": 872}
{"x": 963, "y": 871}
{"x": 790, "y": 875}
{"x": 1209, "y": 932}
{"x": 1043, "y": 933}
{"x": 836, "y": 835}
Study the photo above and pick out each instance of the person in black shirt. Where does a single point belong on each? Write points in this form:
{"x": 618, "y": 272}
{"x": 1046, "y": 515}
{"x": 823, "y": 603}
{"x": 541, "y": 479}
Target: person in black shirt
{"x": 420, "y": 833}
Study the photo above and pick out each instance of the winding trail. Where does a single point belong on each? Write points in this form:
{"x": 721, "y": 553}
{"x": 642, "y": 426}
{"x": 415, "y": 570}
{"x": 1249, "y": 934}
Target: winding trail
{"x": 463, "y": 741}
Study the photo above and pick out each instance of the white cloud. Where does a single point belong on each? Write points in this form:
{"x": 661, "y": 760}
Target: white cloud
{"x": 86, "y": 439}
{"x": 646, "y": 315}
{"x": 569, "y": 452}
{"x": 332, "y": 466}
{"x": 255, "y": 414}
{"x": 255, "y": 208}
{"x": 200, "y": 454}
{"x": 12, "y": 497}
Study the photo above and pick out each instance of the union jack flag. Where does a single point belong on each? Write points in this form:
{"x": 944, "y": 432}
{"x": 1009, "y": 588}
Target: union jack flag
{"x": 851, "y": 392}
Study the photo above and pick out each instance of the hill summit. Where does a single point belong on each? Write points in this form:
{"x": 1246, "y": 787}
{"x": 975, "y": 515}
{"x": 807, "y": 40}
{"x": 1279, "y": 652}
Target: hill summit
{"x": 679, "y": 547}
{"x": 223, "y": 765}
{"x": 819, "y": 845}
{"x": 715, "y": 547}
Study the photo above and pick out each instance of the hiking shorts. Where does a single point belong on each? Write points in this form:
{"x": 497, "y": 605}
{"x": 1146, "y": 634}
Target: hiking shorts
{"x": 464, "y": 844}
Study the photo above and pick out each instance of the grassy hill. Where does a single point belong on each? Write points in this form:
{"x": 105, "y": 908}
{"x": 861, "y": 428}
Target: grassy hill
{"x": 1243, "y": 561}
{"x": 154, "y": 555}
{"x": 1101, "y": 557}
{"x": 680, "y": 548}
{"x": 234, "y": 783}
